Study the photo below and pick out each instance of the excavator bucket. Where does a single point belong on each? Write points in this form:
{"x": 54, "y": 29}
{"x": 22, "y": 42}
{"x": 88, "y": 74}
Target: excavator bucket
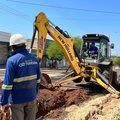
{"x": 46, "y": 81}
{"x": 100, "y": 79}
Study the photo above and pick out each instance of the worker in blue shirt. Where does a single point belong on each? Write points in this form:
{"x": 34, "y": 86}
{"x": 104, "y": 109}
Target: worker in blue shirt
{"x": 21, "y": 81}
{"x": 93, "y": 50}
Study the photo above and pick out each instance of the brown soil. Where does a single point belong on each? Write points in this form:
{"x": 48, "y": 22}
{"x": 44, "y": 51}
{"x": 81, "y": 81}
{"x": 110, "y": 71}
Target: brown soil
{"x": 106, "y": 107}
{"x": 6, "y": 114}
{"x": 64, "y": 104}
{"x": 50, "y": 101}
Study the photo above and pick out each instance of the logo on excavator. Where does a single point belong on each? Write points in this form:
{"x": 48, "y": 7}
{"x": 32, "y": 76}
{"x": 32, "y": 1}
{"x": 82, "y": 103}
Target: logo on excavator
{"x": 67, "y": 47}
{"x": 41, "y": 42}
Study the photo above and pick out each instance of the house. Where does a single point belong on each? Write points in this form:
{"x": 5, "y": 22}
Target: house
{"x": 4, "y": 47}
{"x": 5, "y": 50}
{"x": 34, "y": 50}
{"x": 45, "y": 61}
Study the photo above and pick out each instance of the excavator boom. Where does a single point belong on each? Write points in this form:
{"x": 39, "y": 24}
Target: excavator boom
{"x": 44, "y": 27}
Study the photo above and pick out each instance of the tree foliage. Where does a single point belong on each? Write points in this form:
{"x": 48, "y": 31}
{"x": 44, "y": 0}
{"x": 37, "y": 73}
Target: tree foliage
{"x": 77, "y": 43}
{"x": 117, "y": 60}
{"x": 55, "y": 52}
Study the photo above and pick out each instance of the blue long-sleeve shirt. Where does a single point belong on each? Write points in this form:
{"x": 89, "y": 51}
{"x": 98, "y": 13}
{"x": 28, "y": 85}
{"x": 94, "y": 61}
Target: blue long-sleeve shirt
{"x": 93, "y": 49}
{"x": 21, "y": 78}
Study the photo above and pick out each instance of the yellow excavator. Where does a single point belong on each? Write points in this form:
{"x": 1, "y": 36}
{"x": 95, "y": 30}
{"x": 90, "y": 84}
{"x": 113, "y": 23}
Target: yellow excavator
{"x": 43, "y": 26}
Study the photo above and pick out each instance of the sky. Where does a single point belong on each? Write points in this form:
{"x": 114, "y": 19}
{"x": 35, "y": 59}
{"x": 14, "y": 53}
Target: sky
{"x": 77, "y": 17}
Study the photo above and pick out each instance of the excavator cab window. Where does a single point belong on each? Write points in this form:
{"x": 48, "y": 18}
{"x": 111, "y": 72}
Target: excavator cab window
{"x": 91, "y": 49}
{"x": 104, "y": 49}
{"x": 96, "y": 45}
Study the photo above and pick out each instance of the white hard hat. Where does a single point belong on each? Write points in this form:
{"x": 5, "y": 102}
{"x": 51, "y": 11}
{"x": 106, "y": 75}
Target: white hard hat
{"x": 17, "y": 39}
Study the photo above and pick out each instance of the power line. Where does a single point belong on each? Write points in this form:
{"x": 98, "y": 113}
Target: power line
{"x": 14, "y": 12}
{"x": 68, "y": 8}
{"x": 9, "y": 10}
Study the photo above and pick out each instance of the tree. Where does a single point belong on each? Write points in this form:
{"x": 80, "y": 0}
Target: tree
{"x": 117, "y": 61}
{"x": 54, "y": 51}
{"x": 77, "y": 43}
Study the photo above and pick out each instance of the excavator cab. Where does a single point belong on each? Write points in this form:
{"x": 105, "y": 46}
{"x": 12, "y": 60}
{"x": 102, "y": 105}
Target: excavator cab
{"x": 96, "y": 48}
{"x": 98, "y": 55}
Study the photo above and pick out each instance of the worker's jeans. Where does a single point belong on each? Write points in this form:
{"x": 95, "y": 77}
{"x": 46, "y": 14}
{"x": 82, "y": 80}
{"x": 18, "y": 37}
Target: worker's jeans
{"x": 25, "y": 111}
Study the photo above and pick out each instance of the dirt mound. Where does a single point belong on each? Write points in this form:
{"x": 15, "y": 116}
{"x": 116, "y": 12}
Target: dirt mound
{"x": 6, "y": 114}
{"x": 101, "y": 108}
{"x": 49, "y": 101}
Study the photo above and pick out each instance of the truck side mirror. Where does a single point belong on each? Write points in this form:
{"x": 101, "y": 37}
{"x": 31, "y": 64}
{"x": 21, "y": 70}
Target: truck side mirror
{"x": 112, "y": 46}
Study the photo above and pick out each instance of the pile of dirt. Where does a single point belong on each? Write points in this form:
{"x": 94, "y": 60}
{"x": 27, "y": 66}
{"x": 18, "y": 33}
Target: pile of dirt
{"x": 6, "y": 114}
{"x": 105, "y": 107}
{"x": 51, "y": 103}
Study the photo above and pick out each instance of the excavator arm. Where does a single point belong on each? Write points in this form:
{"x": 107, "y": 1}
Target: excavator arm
{"x": 44, "y": 27}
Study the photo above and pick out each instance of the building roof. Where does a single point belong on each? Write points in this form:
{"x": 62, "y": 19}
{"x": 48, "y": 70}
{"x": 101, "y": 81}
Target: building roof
{"x": 4, "y": 37}
{"x": 35, "y": 43}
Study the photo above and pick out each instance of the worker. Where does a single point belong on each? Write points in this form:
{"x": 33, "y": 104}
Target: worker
{"x": 93, "y": 50}
{"x": 21, "y": 81}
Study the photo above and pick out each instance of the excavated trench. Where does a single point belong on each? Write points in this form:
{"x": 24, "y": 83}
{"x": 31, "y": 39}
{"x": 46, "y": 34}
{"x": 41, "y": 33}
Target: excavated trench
{"x": 51, "y": 103}
{"x": 85, "y": 103}
{"x": 88, "y": 102}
